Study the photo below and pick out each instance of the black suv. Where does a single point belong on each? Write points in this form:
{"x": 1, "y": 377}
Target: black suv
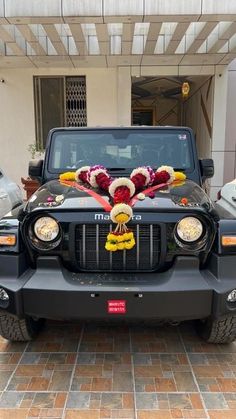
{"x": 66, "y": 272}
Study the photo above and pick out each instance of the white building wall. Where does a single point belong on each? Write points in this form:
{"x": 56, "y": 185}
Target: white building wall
{"x": 17, "y": 120}
{"x": 123, "y": 96}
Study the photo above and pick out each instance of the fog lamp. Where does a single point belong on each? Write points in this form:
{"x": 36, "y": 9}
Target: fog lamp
{"x": 3, "y": 295}
{"x": 232, "y": 296}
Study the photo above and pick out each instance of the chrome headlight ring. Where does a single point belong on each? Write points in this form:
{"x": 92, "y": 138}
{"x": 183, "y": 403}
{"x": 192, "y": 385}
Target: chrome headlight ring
{"x": 45, "y": 233}
{"x": 46, "y": 229}
{"x": 190, "y": 233}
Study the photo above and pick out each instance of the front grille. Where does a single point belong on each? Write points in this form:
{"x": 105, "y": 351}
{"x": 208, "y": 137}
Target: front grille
{"x": 91, "y": 255}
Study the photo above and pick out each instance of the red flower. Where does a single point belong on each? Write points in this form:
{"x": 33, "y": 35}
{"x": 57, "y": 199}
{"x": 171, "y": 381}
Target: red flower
{"x": 138, "y": 180}
{"x": 161, "y": 177}
{"x": 83, "y": 176}
{"x": 122, "y": 195}
{"x": 103, "y": 181}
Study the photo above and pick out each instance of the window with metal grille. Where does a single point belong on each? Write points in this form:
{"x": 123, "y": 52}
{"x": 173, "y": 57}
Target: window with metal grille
{"x": 59, "y": 101}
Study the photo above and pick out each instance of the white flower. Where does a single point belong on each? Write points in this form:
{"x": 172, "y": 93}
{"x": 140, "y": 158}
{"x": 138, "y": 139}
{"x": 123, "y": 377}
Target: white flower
{"x": 80, "y": 170}
{"x": 59, "y": 198}
{"x": 141, "y": 196}
{"x": 121, "y": 209}
{"x": 169, "y": 170}
{"x": 121, "y": 181}
{"x": 143, "y": 171}
{"x": 92, "y": 177}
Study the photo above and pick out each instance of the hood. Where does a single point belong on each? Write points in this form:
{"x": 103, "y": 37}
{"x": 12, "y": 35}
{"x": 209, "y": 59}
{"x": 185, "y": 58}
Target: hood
{"x": 55, "y": 195}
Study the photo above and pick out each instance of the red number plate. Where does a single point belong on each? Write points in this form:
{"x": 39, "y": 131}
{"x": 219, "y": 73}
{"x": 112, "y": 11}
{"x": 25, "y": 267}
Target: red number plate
{"x": 116, "y": 306}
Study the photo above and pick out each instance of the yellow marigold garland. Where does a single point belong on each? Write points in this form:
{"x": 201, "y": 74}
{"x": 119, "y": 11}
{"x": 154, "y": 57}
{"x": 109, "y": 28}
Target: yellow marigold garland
{"x": 120, "y": 241}
{"x": 121, "y": 238}
{"x": 179, "y": 176}
{"x": 67, "y": 176}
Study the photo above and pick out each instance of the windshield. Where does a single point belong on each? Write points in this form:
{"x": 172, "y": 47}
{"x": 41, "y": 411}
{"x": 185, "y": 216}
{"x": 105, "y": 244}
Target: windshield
{"x": 120, "y": 149}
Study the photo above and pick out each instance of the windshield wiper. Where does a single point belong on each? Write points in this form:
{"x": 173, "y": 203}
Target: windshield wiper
{"x": 116, "y": 169}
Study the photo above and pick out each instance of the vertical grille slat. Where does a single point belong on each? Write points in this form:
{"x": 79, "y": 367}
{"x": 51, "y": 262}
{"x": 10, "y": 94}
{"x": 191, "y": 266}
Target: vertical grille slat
{"x": 91, "y": 255}
{"x": 124, "y": 259}
{"x": 110, "y": 253}
{"x": 97, "y": 245}
{"x": 151, "y": 245}
{"x": 137, "y": 246}
{"x": 84, "y": 246}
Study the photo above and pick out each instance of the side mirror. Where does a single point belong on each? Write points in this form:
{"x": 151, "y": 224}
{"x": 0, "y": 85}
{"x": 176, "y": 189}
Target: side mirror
{"x": 207, "y": 168}
{"x": 36, "y": 169}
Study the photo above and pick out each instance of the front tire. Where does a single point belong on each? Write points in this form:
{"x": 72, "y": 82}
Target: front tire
{"x": 20, "y": 330}
{"x": 219, "y": 330}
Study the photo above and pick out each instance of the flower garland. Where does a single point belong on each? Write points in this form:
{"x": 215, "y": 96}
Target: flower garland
{"x": 122, "y": 190}
{"x": 68, "y": 176}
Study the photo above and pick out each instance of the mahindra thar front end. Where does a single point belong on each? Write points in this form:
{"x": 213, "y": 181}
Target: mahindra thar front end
{"x": 131, "y": 234}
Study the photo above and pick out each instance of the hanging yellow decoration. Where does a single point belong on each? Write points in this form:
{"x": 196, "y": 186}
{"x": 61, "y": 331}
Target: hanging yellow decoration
{"x": 185, "y": 90}
{"x": 122, "y": 238}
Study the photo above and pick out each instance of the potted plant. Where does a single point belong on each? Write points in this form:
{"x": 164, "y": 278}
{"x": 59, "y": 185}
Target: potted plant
{"x": 31, "y": 185}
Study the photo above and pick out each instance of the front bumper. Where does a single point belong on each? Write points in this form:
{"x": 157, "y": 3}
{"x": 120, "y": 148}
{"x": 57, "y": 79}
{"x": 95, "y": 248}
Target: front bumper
{"x": 183, "y": 292}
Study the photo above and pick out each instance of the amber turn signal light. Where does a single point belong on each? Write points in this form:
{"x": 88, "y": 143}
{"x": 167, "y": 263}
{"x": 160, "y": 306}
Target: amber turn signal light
{"x": 228, "y": 240}
{"x": 8, "y": 240}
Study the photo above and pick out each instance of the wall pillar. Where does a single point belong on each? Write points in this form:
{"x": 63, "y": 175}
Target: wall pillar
{"x": 123, "y": 96}
{"x": 230, "y": 135}
{"x": 219, "y": 128}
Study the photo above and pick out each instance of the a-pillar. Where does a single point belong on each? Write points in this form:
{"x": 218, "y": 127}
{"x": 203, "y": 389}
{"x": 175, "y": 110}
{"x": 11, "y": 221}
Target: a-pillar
{"x": 123, "y": 96}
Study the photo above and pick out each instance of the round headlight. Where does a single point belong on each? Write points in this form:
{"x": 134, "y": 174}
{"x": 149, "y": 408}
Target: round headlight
{"x": 189, "y": 229}
{"x": 46, "y": 229}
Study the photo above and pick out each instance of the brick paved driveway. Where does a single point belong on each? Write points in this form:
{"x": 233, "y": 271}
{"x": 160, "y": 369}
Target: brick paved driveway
{"x": 93, "y": 371}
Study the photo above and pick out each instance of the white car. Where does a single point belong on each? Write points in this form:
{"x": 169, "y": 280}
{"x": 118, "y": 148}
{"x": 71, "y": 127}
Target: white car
{"x": 228, "y": 197}
{"x": 10, "y": 194}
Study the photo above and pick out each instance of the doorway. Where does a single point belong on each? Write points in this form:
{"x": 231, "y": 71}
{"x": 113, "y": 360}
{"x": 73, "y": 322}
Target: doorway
{"x": 160, "y": 101}
{"x": 143, "y": 116}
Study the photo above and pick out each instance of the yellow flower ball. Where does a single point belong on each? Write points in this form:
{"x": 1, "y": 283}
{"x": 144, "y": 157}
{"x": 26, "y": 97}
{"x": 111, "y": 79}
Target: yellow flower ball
{"x": 180, "y": 176}
{"x": 120, "y": 238}
{"x": 121, "y": 246}
{"x": 67, "y": 176}
{"x": 110, "y": 247}
{"x": 111, "y": 237}
{"x": 130, "y": 244}
{"x": 113, "y": 248}
{"x": 130, "y": 235}
{"x": 122, "y": 218}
